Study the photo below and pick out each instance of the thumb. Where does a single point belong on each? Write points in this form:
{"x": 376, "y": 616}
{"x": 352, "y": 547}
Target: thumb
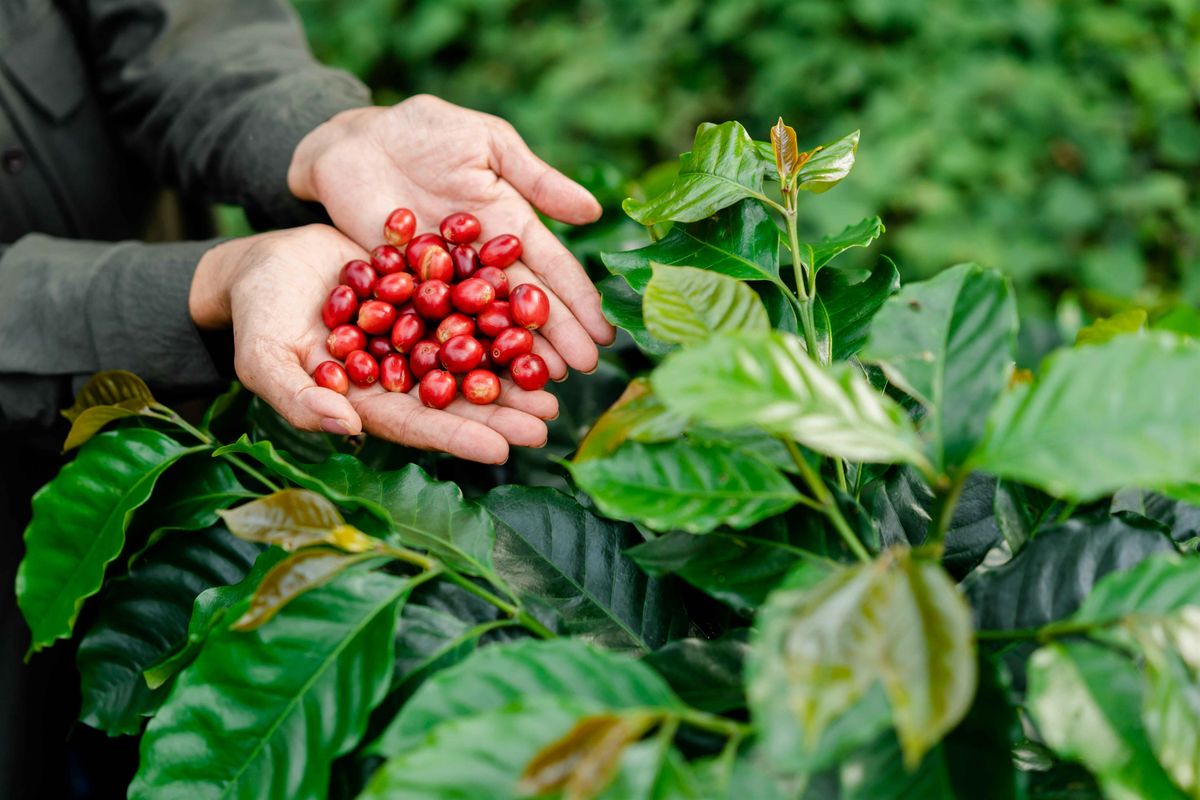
{"x": 292, "y": 392}
{"x": 550, "y": 192}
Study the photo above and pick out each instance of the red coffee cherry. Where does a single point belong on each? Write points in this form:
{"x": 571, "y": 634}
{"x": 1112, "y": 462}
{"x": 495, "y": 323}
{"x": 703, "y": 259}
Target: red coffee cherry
{"x": 379, "y": 346}
{"x": 400, "y": 226}
{"x": 436, "y": 265}
{"x": 461, "y": 353}
{"x": 509, "y": 344}
{"x": 460, "y": 228}
{"x": 424, "y": 357}
{"x": 454, "y": 325}
{"x": 361, "y": 368}
{"x": 407, "y": 331}
{"x": 387, "y": 259}
{"x": 359, "y": 276}
{"x": 394, "y": 374}
{"x": 472, "y": 295}
{"x": 396, "y": 288}
{"x": 496, "y": 278}
{"x": 487, "y": 362}
{"x": 345, "y": 339}
{"x": 437, "y": 388}
{"x": 481, "y": 387}
{"x": 529, "y": 306}
{"x": 466, "y": 261}
{"x": 529, "y": 372}
{"x": 494, "y": 318}
{"x": 417, "y": 247}
{"x": 339, "y": 308}
{"x": 432, "y": 300}
{"x": 331, "y": 375}
{"x": 501, "y": 251}
{"x": 376, "y": 316}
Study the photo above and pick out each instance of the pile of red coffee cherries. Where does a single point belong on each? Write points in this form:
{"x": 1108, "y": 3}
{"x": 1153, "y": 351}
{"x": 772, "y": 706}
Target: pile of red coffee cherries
{"x": 436, "y": 313}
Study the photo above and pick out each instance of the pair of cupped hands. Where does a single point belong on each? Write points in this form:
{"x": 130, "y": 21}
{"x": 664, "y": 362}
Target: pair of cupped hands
{"x": 434, "y": 158}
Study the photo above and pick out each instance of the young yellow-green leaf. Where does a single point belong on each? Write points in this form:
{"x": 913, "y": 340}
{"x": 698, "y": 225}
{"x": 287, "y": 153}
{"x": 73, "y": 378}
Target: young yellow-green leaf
{"x": 79, "y": 522}
{"x": 1105, "y": 328}
{"x": 292, "y": 577}
{"x": 296, "y": 518}
{"x": 93, "y": 419}
{"x": 637, "y": 415}
{"x": 583, "y": 762}
{"x": 1086, "y": 700}
{"x": 111, "y": 388}
{"x": 787, "y": 154}
{"x": 949, "y": 342}
{"x": 770, "y": 382}
{"x": 1101, "y": 418}
{"x": 692, "y": 486}
{"x": 828, "y": 165}
{"x": 685, "y": 305}
{"x": 898, "y": 621}
{"x": 721, "y": 168}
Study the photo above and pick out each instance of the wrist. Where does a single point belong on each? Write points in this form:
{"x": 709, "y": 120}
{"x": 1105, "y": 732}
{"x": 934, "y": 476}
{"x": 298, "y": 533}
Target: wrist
{"x": 302, "y": 170}
{"x": 208, "y": 298}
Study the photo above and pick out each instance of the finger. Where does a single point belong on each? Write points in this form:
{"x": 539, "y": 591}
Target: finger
{"x": 539, "y": 403}
{"x": 562, "y": 329}
{"x": 554, "y": 362}
{"x": 403, "y": 419}
{"x": 551, "y": 192}
{"x": 554, "y": 264}
{"x": 516, "y": 426}
{"x": 277, "y": 377}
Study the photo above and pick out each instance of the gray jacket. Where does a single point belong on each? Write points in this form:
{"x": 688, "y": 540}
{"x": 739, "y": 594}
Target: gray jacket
{"x": 102, "y": 104}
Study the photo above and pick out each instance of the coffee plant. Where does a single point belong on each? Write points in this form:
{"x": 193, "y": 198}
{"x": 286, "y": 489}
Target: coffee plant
{"x": 831, "y": 543}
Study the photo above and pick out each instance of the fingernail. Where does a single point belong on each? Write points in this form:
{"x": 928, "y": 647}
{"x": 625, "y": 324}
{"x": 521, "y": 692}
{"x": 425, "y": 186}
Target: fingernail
{"x": 335, "y": 426}
{"x": 556, "y": 413}
{"x": 590, "y": 371}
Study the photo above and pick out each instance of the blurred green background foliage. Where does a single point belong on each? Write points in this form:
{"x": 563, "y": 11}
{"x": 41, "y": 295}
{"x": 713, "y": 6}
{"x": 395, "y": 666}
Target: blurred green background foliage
{"x": 1056, "y": 139}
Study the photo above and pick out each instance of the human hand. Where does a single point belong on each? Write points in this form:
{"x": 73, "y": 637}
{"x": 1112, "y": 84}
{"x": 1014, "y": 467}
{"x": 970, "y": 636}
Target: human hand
{"x": 271, "y": 287}
{"x": 436, "y": 158}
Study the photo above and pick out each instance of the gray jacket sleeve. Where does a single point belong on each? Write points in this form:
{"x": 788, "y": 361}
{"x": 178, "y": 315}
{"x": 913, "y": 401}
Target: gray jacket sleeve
{"x": 214, "y": 94}
{"x": 71, "y": 308}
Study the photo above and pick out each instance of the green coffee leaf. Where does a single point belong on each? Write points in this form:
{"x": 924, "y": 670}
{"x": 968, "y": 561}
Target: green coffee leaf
{"x": 79, "y": 522}
{"x": 110, "y": 388}
{"x": 296, "y": 518}
{"x": 298, "y": 573}
{"x": 721, "y": 168}
{"x": 828, "y": 165}
{"x": 844, "y": 310}
{"x": 949, "y": 343}
{"x": 691, "y": 486}
{"x": 685, "y": 305}
{"x": 622, "y": 306}
{"x": 1106, "y": 328}
{"x": 770, "y": 382}
{"x": 1101, "y": 418}
{"x": 860, "y": 234}
{"x": 637, "y": 415}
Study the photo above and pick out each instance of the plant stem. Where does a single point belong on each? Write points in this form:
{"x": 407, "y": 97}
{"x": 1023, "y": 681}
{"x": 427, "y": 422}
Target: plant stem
{"x": 169, "y": 415}
{"x": 1041, "y": 634}
{"x": 840, "y": 467}
{"x": 829, "y": 504}
{"x": 806, "y": 284}
{"x": 712, "y": 722}
{"x": 537, "y": 628}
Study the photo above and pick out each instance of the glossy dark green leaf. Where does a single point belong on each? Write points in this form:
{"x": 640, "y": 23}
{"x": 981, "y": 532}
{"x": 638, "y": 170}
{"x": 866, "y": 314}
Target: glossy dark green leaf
{"x": 550, "y": 548}
{"x": 949, "y": 343}
{"x": 901, "y": 505}
{"x": 1056, "y": 435}
{"x": 1018, "y": 510}
{"x": 846, "y": 309}
{"x": 200, "y": 486}
{"x": 721, "y": 169}
{"x": 477, "y": 756}
{"x": 79, "y": 522}
{"x": 685, "y": 485}
{"x": 741, "y": 242}
{"x": 686, "y": 305}
{"x": 327, "y": 660}
{"x": 1180, "y": 517}
{"x": 1050, "y": 577}
{"x": 143, "y": 616}
{"x": 829, "y": 165}
{"x": 1085, "y": 700}
{"x": 898, "y": 621}
{"x": 503, "y": 675}
{"x": 1158, "y": 585}
{"x": 420, "y": 511}
{"x": 860, "y": 234}
{"x": 637, "y": 415}
{"x": 704, "y": 673}
{"x": 738, "y": 381}
{"x": 622, "y": 307}
{"x": 1106, "y": 328}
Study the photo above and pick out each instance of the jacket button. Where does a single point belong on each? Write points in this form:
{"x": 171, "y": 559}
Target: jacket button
{"x": 13, "y": 160}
